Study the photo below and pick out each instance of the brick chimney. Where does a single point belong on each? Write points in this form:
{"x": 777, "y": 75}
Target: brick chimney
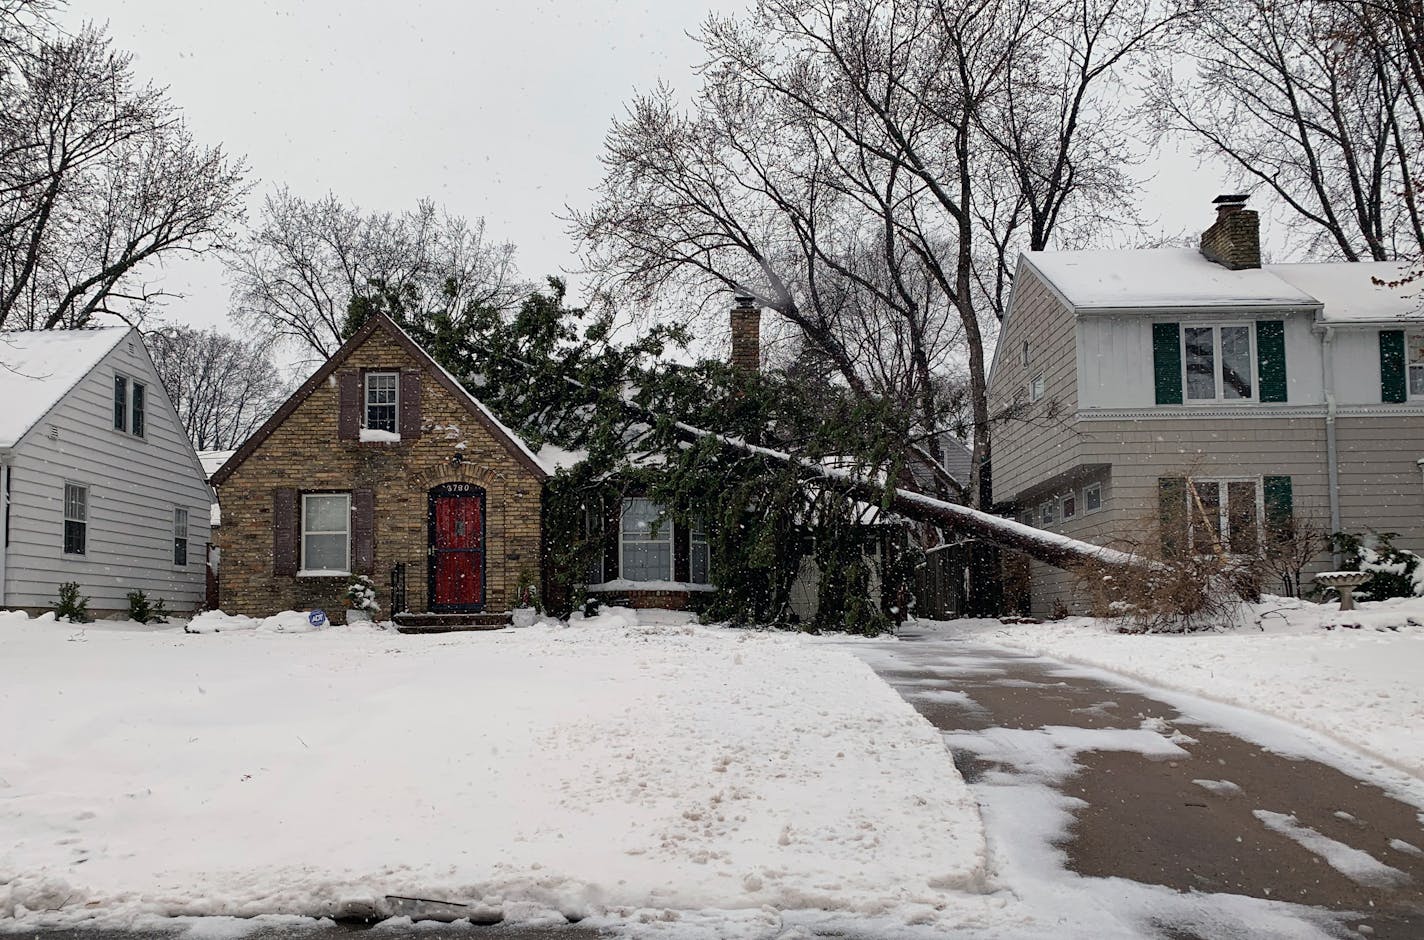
{"x": 746, "y": 333}
{"x": 1235, "y": 240}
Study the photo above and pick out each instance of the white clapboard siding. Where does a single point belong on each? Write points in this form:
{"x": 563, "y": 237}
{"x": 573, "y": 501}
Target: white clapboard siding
{"x": 134, "y": 485}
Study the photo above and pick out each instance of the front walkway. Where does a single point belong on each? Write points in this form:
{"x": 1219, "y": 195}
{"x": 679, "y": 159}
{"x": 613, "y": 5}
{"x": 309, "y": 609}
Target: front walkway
{"x": 1081, "y": 774}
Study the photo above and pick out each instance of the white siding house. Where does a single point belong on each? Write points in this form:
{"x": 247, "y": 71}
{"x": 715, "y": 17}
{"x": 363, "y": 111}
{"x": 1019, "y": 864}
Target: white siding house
{"x": 1269, "y": 394}
{"x": 98, "y": 482}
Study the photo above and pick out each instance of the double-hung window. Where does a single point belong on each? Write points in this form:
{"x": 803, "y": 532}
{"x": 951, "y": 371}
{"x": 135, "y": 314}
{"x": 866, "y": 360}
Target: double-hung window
{"x": 1414, "y": 353}
{"x": 646, "y": 541}
{"x": 326, "y": 533}
{"x": 382, "y": 401}
{"x": 139, "y": 396}
{"x": 130, "y": 399}
{"x": 1092, "y": 497}
{"x": 180, "y": 536}
{"x": 1224, "y": 513}
{"x": 699, "y": 554}
{"x": 121, "y": 403}
{"x": 1219, "y": 362}
{"x": 76, "y": 519}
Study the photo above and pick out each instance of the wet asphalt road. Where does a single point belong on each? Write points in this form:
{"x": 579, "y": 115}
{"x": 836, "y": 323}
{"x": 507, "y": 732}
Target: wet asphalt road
{"x": 1147, "y": 820}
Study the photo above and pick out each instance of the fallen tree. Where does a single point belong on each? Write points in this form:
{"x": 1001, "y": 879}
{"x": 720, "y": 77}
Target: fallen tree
{"x": 1048, "y": 547}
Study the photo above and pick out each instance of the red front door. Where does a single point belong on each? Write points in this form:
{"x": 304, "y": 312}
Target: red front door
{"x": 457, "y": 547}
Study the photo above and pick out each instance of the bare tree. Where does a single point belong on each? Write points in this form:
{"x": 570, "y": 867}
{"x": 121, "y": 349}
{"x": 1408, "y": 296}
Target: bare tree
{"x": 98, "y": 176}
{"x": 844, "y": 163}
{"x": 222, "y": 386}
{"x": 299, "y": 274}
{"x": 1322, "y": 102}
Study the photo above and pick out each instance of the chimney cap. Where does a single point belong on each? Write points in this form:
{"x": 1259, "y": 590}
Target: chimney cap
{"x": 744, "y": 298}
{"x": 1231, "y": 199}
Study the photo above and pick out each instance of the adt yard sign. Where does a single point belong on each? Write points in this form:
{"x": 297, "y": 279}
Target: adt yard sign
{"x": 317, "y": 618}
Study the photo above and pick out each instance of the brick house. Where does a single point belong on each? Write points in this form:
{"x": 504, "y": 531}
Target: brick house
{"x": 381, "y": 464}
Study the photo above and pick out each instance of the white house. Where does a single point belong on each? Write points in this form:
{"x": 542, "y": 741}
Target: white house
{"x": 98, "y": 482}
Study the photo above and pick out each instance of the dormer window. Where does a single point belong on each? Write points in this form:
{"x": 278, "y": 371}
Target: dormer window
{"x": 382, "y": 402}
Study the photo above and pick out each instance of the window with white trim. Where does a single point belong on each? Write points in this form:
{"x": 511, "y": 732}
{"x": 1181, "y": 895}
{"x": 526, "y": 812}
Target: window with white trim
{"x": 1023, "y": 354}
{"x": 1226, "y": 513}
{"x": 326, "y": 533}
{"x": 1219, "y": 362}
{"x": 1092, "y": 497}
{"x": 138, "y": 420}
{"x": 699, "y": 554}
{"x": 1414, "y": 363}
{"x": 1068, "y": 506}
{"x": 645, "y": 542}
{"x": 1036, "y": 387}
{"x": 1046, "y": 513}
{"x": 121, "y": 403}
{"x": 382, "y": 401}
{"x": 180, "y": 536}
{"x": 76, "y": 519}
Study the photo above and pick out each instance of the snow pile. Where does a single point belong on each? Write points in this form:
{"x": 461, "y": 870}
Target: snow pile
{"x": 288, "y": 621}
{"x": 1353, "y": 676}
{"x": 543, "y": 774}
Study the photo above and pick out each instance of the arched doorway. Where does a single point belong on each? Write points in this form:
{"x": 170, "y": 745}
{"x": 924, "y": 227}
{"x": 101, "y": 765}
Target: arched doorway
{"x": 456, "y": 552}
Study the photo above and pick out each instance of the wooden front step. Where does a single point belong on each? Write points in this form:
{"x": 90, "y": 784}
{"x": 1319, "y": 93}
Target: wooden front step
{"x": 449, "y": 623}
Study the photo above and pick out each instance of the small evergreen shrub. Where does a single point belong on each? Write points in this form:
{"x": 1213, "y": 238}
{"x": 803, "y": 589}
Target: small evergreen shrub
{"x": 526, "y": 592}
{"x": 361, "y": 594}
{"x": 1395, "y": 572}
{"x": 71, "y": 606}
{"x": 142, "y": 611}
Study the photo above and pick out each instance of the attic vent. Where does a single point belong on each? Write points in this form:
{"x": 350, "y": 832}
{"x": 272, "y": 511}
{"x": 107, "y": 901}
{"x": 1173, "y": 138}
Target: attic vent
{"x": 129, "y": 347}
{"x": 54, "y": 432}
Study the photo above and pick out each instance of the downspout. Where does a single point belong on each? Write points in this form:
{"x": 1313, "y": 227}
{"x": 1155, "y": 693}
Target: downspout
{"x": 4, "y": 522}
{"x": 1332, "y": 463}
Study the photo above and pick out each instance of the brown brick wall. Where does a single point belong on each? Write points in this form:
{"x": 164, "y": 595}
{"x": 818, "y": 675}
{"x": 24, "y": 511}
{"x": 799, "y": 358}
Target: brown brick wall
{"x": 304, "y": 452}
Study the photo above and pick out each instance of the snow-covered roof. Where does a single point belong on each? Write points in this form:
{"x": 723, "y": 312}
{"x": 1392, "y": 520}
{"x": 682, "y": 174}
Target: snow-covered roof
{"x": 1349, "y": 293}
{"x": 39, "y": 367}
{"x": 212, "y": 459}
{"x": 1158, "y": 278}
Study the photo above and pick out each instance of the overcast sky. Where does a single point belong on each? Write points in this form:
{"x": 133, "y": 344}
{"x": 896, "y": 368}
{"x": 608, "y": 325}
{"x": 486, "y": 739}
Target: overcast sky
{"x": 492, "y": 109}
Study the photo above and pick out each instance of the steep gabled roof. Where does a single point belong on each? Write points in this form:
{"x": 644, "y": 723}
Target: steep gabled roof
{"x": 512, "y": 443}
{"x": 39, "y": 367}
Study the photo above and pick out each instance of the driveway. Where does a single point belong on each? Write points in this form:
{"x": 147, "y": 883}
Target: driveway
{"x": 1153, "y": 795}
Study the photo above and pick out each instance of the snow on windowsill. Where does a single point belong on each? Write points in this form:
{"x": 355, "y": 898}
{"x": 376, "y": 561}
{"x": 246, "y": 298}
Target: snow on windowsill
{"x": 376, "y": 436}
{"x": 623, "y": 584}
{"x": 323, "y": 574}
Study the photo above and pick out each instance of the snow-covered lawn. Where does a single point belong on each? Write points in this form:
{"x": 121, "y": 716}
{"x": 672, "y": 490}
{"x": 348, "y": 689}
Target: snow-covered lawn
{"x": 1357, "y": 676}
{"x": 550, "y": 772}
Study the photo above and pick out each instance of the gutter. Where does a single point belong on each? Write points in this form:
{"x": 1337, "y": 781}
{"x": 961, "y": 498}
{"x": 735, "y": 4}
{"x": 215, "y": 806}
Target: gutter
{"x": 1332, "y": 463}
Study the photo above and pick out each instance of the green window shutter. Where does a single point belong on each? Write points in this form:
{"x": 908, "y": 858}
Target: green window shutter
{"x": 1392, "y": 366}
{"x": 1167, "y": 362}
{"x": 1280, "y": 510}
{"x": 1172, "y": 513}
{"x": 1271, "y": 359}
